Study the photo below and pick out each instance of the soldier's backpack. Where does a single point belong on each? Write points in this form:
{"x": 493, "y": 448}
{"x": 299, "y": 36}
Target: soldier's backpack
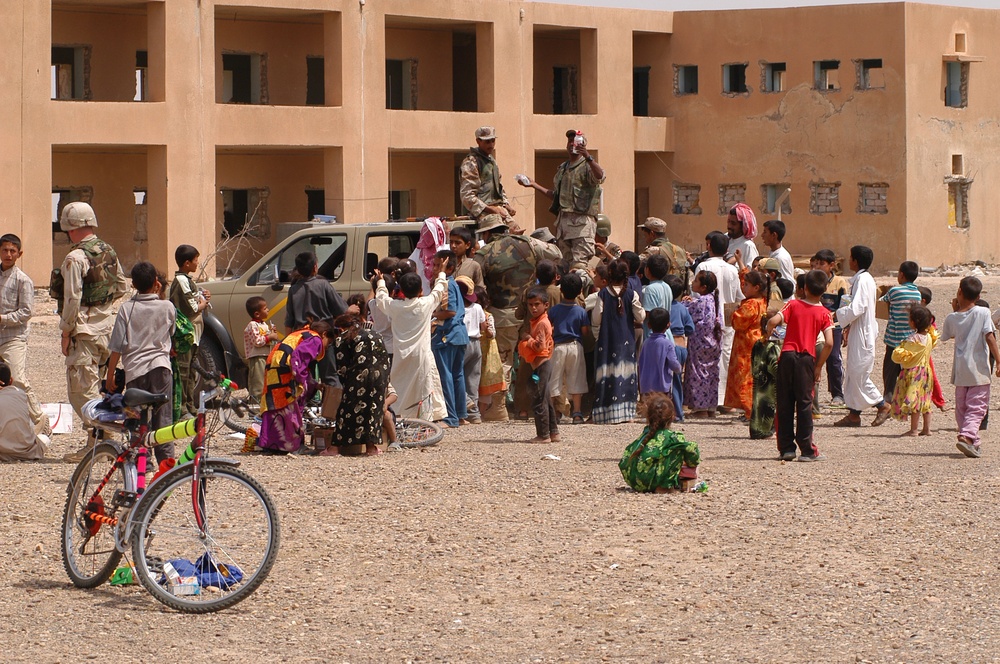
{"x": 99, "y": 281}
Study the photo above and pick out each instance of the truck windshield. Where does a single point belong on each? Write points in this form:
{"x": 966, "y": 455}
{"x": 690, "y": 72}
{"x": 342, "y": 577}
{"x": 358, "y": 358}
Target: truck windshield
{"x": 330, "y": 250}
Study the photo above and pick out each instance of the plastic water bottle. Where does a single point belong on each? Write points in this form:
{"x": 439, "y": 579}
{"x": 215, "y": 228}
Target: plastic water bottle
{"x": 700, "y": 487}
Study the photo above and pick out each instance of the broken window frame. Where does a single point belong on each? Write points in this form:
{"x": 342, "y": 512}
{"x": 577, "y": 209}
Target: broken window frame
{"x": 77, "y": 58}
{"x": 768, "y": 78}
{"x": 956, "y": 89}
{"x": 958, "y": 202}
{"x": 821, "y": 75}
{"x": 864, "y": 69}
{"x": 833, "y": 195}
{"x": 866, "y": 188}
{"x": 685, "y": 80}
{"x": 256, "y": 223}
{"x": 734, "y": 79}
{"x": 640, "y": 91}
{"x": 739, "y": 191}
{"x": 770, "y": 192}
{"x": 257, "y": 79}
{"x": 407, "y": 85}
{"x": 67, "y": 195}
{"x": 686, "y": 207}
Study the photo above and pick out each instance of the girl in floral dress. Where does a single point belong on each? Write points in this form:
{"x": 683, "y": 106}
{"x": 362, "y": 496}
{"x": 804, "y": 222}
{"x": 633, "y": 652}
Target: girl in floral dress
{"x": 912, "y": 396}
{"x": 701, "y": 377}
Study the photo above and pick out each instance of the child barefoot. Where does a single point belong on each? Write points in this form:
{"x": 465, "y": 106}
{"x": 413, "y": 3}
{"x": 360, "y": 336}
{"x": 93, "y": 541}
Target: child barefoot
{"x": 654, "y": 460}
{"x": 912, "y": 394}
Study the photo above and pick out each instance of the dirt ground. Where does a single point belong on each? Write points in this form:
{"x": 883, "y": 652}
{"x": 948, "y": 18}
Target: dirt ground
{"x": 479, "y": 550}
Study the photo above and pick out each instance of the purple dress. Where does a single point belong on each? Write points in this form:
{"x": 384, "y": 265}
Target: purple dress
{"x": 281, "y": 429}
{"x": 701, "y": 378}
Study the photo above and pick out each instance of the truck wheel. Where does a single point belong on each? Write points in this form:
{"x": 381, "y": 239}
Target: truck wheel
{"x": 240, "y": 409}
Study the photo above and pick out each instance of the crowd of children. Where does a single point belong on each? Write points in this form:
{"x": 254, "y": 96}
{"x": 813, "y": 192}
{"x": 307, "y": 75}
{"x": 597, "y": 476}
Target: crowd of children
{"x": 626, "y": 338}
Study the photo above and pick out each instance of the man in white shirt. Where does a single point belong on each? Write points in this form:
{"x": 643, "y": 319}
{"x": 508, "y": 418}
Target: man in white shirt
{"x": 729, "y": 294}
{"x": 772, "y": 235}
{"x": 741, "y": 228}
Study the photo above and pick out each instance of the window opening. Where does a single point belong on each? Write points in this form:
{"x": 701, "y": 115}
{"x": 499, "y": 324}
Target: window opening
{"x": 956, "y": 92}
{"x": 315, "y": 82}
{"x": 399, "y": 204}
{"x": 68, "y": 72}
{"x": 640, "y": 91}
{"x": 400, "y": 84}
{"x": 958, "y": 201}
{"x": 685, "y": 79}
{"x": 826, "y": 75}
{"x": 770, "y": 193}
{"x": 141, "y": 71}
{"x": 870, "y": 76}
{"x": 315, "y": 203}
{"x": 243, "y": 79}
{"x": 774, "y": 77}
{"x": 734, "y": 78}
{"x": 564, "y": 91}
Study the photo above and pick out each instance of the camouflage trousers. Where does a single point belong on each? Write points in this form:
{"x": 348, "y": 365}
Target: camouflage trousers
{"x": 189, "y": 381}
{"x": 85, "y": 366}
{"x": 576, "y": 251}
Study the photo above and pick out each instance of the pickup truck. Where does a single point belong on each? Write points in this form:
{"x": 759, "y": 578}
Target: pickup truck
{"x": 347, "y": 255}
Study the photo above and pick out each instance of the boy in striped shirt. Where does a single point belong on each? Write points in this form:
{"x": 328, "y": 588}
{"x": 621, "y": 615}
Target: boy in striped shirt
{"x": 900, "y": 298}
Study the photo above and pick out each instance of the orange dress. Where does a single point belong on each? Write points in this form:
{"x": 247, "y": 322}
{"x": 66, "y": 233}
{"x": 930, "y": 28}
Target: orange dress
{"x": 746, "y": 323}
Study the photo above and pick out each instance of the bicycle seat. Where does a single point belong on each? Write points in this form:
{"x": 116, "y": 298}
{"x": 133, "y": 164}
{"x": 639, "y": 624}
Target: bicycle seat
{"x": 136, "y": 397}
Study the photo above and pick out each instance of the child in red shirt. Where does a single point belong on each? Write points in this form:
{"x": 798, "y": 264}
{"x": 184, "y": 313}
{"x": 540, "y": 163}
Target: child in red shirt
{"x": 536, "y": 349}
{"x": 799, "y": 369}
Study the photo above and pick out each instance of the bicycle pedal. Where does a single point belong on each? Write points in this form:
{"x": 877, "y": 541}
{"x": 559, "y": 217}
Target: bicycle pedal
{"x": 124, "y": 498}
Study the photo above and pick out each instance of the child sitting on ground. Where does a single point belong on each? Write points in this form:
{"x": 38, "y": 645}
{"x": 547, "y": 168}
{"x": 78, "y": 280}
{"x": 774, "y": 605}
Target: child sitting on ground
{"x": 258, "y": 339}
{"x": 659, "y": 458}
{"x": 912, "y": 394}
{"x": 536, "y": 349}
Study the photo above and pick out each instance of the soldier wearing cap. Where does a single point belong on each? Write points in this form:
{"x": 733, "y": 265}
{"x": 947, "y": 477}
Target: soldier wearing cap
{"x": 92, "y": 280}
{"x": 479, "y": 180}
{"x": 544, "y": 235}
{"x": 576, "y": 200}
{"x": 655, "y": 230}
{"x": 508, "y": 261}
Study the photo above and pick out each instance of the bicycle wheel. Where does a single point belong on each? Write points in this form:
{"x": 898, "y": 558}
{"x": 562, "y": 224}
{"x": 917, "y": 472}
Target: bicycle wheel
{"x": 88, "y": 544}
{"x": 239, "y": 410}
{"x": 413, "y": 432}
{"x": 240, "y": 544}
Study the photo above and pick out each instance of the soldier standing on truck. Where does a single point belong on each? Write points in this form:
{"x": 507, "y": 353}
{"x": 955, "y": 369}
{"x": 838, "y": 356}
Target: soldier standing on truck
{"x": 479, "y": 180}
{"x": 576, "y": 200}
{"x": 91, "y": 280}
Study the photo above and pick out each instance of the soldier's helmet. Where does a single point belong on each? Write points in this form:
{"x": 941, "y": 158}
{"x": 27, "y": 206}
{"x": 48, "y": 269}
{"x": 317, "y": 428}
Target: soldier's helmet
{"x": 77, "y": 215}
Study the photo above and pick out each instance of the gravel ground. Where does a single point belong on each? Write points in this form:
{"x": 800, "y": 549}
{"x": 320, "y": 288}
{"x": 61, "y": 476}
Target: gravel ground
{"x": 480, "y": 550}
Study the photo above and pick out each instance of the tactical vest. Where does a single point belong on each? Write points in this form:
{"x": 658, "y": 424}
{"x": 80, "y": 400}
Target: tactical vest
{"x": 572, "y": 191}
{"x": 490, "y": 190}
{"x": 100, "y": 280}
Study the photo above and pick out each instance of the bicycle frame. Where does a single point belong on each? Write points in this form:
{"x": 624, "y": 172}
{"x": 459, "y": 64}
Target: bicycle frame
{"x": 135, "y": 473}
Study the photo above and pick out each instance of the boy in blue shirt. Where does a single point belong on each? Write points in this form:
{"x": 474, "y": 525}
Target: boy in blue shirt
{"x": 681, "y": 327}
{"x": 448, "y": 341}
{"x": 658, "y": 358}
{"x": 656, "y": 293}
{"x": 569, "y": 325}
{"x": 901, "y": 299}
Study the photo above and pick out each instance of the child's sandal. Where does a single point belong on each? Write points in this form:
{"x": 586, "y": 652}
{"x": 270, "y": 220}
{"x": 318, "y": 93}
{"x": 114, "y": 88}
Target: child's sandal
{"x": 578, "y": 418}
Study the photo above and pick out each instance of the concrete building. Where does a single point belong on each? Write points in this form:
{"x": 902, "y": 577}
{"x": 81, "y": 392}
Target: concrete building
{"x": 180, "y": 120}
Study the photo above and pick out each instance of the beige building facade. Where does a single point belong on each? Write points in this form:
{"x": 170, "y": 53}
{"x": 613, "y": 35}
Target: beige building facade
{"x": 183, "y": 121}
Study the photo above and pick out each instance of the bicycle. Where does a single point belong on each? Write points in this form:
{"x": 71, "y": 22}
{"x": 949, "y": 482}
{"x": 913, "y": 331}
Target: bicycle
{"x": 205, "y": 515}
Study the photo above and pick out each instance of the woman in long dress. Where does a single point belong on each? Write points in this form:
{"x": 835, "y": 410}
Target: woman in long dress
{"x": 363, "y": 364}
{"x": 616, "y": 312}
{"x": 288, "y": 385}
{"x": 701, "y": 377}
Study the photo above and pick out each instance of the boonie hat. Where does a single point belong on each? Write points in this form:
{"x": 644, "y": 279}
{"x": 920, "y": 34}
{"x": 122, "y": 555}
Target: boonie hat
{"x": 654, "y": 224}
{"x": 486, "y": 133}
{"x": 77, "y": 215}
{"x": 543, "y": 234}
{"x": 771, "y": 264}
{"x": 488, "y": 222}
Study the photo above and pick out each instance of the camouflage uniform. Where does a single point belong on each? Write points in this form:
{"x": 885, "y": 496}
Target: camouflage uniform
{"x": 576, "y": 201}
{"x": 508, "y": 263}
{"x": 89, "y": 327}
{"x": 479, "y": 184}
{"x": 675, "y": 255}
